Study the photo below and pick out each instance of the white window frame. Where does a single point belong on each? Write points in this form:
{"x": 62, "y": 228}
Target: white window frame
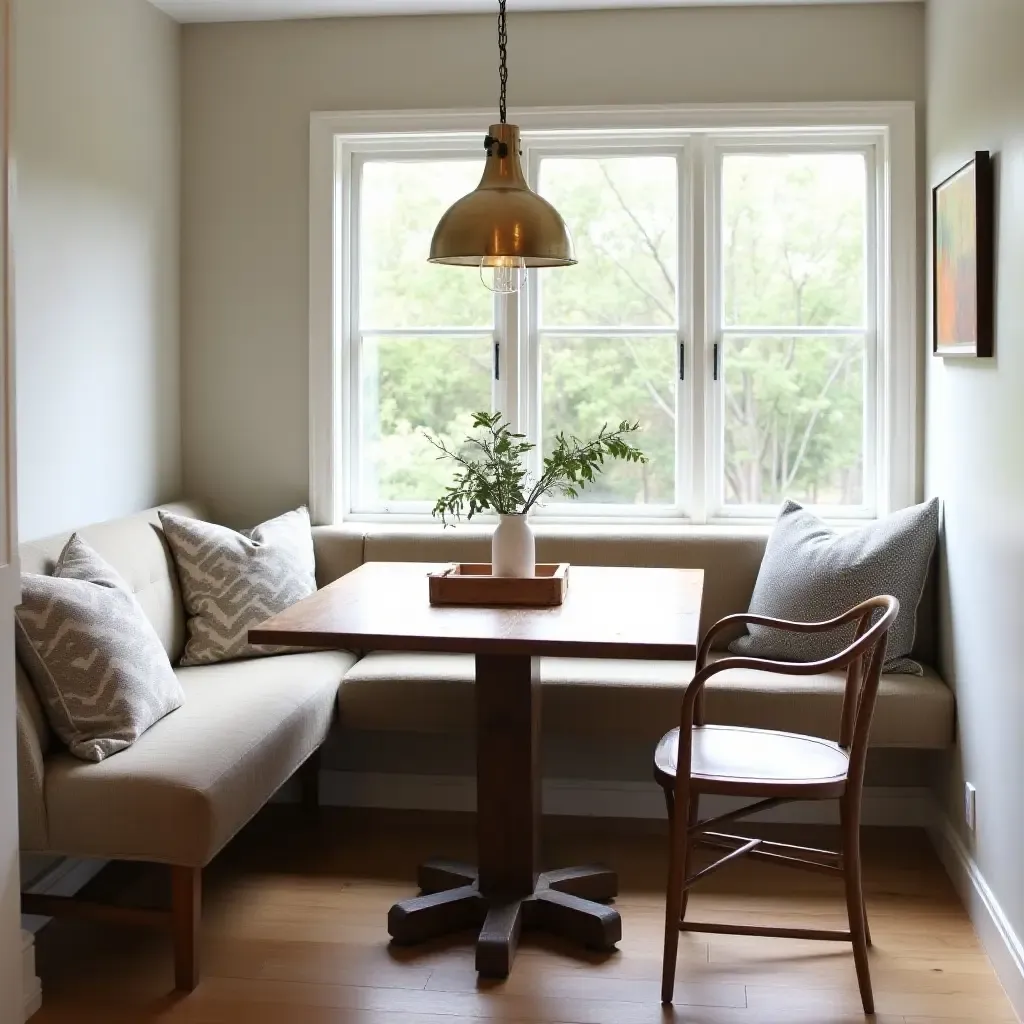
{"x": 337, "y": 139}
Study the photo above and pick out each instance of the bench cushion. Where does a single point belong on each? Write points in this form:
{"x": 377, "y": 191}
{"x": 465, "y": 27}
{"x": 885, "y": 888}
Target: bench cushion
{"x": 433, "y": 693}
{"x": 197, "y": 776}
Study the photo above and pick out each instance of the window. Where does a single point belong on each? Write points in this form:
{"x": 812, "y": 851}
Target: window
{"x": 796, "y": 353}
{"x": 606, "y": 331}
{"x": 740, "y": 292}
{"x": 422, "y": 336}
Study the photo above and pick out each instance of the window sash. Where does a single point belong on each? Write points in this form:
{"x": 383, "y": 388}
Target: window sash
{"x": 699, "y": 493}
{"x": 720, "y": 147}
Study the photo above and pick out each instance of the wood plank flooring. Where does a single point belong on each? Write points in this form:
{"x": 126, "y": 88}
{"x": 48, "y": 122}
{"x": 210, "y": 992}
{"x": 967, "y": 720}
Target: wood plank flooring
{"x": 295, "y": 933}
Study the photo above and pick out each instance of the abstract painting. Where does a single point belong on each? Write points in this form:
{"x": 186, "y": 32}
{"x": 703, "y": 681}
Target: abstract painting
{"x": 962, "y": 234}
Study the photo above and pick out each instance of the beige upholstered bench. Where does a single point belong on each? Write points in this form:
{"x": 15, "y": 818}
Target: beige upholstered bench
{"x": 632, "y": 700}
{"x": 196, "y": 777}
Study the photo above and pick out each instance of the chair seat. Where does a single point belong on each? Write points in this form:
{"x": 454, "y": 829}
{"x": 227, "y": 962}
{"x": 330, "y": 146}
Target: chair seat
{"x": 737, "y": 761}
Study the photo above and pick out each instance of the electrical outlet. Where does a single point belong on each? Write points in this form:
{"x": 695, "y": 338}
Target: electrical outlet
{"x": 970, "y": 806}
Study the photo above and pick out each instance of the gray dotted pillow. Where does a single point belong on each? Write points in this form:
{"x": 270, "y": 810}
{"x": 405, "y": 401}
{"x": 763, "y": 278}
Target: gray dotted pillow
{"x": 812, "y": 571}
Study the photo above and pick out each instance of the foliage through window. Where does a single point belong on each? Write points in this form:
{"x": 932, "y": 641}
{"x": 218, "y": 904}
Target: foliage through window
{"x": 725, "y": 297}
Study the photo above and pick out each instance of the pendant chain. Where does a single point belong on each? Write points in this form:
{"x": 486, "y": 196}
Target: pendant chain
{"x": 503, "y": 52}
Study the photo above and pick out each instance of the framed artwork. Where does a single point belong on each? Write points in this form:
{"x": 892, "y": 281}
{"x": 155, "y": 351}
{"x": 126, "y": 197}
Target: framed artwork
{"x": 963, "y": 254}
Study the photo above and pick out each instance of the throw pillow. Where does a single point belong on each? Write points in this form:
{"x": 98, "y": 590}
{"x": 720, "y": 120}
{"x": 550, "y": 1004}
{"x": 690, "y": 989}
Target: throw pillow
{"x": 811, "y": 571}
{"x": 232, "y": 581}
{"x": 94, "y": 658}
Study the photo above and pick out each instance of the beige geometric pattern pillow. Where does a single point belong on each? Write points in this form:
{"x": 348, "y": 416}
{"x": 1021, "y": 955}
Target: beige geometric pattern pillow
{"x": 95, "y": 660}
{"x": 233, "y": 581}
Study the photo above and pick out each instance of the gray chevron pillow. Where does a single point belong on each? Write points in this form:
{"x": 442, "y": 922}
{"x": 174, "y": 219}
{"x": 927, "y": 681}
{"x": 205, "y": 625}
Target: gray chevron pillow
{"x": 233, "y": 581}
{"x": 94, "y": 658}
{"x": 812, "y": 571}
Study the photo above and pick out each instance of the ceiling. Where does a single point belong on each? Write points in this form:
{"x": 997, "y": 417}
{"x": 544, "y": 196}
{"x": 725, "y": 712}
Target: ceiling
{"x": 271, "y": 10}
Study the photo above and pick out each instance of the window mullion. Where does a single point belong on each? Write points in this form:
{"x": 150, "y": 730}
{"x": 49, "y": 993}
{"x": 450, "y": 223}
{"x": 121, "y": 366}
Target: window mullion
{"x": 508, "y": 388}
{"x": 529, "y": 341}
{"x": 700, "y": 419}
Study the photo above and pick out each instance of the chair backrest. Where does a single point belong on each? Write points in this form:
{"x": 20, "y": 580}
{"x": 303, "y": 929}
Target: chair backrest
{"x": 862, "y": 659}
{"x": 863, "y": 676}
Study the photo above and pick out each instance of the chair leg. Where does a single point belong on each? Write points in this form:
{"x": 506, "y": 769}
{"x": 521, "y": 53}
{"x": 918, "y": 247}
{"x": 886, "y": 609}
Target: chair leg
{"x": 688, "y": 845}
{"x": 850, "y": 813}
{"x": 309, "y": 781}
{"x": 186, "y": 902}
{"x": 674, "y": 895}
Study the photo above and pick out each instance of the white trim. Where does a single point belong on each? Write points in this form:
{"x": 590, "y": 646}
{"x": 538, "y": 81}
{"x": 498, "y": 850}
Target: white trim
{"x": 323, "y": 368}
{"x": 417, "y": 131}
{"x": 1002, "y": 944}
{"x": 898, "y": 295}
{"x": 906, "y": 806}
{"x": 31, "y": 987}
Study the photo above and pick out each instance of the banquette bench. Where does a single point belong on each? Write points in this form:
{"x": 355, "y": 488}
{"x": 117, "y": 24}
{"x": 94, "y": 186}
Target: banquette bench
{"x": 180, "y": 793}
{"x": 433, "y": 693}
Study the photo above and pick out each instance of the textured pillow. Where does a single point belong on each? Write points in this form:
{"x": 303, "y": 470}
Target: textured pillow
{"x": 233, "y": 581}
{"x": 811, "y": 571}
{"x": 94, "y": 658}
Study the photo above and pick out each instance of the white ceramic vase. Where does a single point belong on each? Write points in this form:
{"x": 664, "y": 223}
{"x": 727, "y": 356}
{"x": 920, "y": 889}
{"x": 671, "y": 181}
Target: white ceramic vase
{"x": 513, "y": 552}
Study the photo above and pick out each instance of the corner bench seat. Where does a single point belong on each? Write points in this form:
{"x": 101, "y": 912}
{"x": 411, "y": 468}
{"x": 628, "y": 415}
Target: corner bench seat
{"x": 183, "y": 789}
{"x": 433, "y": 693}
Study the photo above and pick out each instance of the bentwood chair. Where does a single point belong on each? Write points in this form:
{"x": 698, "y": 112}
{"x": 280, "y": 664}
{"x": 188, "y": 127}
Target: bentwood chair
{"x": 773, "y": 768}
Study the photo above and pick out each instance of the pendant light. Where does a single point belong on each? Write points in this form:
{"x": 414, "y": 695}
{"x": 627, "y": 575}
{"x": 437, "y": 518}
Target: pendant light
{"x": 503, "y": 227}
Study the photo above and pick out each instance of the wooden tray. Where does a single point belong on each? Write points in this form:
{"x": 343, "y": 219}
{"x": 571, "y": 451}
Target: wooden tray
{"x": 472, "y": 583}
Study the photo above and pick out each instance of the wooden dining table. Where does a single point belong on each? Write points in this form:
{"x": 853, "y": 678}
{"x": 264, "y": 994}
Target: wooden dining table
{"x": 608, "y": 612}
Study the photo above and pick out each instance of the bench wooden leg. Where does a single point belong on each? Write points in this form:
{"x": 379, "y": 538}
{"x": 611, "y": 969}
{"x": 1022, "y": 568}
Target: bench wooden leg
{"x": 186, "y": 903}
{"x": 309, "y": 780}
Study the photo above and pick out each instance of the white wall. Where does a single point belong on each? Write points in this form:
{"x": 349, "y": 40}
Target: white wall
{"x": 975, "y": 429}
{"x": 97, "y": 149}
{"x": 249, "y": 89}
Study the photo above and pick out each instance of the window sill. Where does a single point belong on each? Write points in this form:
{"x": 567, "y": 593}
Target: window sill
{"x": 578, "y": 529}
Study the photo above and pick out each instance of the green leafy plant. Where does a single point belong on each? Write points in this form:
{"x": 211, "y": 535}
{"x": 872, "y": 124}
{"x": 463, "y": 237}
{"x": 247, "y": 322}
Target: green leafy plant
{"x": 492, "y": 475}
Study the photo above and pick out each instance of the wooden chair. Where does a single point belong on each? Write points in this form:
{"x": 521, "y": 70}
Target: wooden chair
{"x": 773, "y": 768}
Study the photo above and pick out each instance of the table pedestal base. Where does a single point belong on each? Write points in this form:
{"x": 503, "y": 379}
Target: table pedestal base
{"x": 569, "y": 902}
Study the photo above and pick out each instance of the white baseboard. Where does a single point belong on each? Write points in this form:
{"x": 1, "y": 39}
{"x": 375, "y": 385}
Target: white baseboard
{"x": 907, "y": 806}
{"x": 65, "y": 878}
{"x": 31, "y": 990}
{"x": 1001, "y": 942}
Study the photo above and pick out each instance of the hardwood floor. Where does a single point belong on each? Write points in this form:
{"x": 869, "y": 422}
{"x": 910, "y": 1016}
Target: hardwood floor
{"x": 294, "y": 933}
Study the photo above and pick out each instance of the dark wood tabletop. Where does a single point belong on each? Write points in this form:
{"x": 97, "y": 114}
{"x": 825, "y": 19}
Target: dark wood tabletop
{"x": 609, "y": 612}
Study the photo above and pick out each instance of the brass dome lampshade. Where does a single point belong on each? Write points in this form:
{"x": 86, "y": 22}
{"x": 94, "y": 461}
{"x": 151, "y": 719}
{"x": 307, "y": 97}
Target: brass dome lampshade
{"x": 503, "y": 226}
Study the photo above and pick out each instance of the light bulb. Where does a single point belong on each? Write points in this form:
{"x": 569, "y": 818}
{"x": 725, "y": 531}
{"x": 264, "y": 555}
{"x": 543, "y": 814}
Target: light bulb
{"x": 505, "y": 275}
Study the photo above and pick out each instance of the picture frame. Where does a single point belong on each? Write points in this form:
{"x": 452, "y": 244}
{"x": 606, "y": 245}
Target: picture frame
{"x": 963, "y": 256}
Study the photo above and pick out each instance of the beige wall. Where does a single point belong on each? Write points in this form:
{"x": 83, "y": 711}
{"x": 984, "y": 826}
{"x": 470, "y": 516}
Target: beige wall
{"x": 248, "y": 92}
{"x": 974, "y": 440}
{"x": 97, "y": 146}
{"x": 12, "y": 1009}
